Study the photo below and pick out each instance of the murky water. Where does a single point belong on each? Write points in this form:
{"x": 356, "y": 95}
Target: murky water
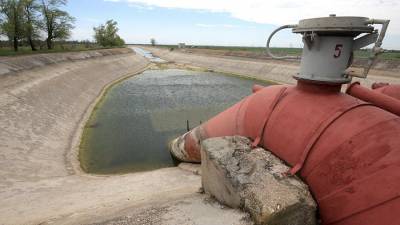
{"x": 130, "y": 129}
{"x": 148, "y": 55}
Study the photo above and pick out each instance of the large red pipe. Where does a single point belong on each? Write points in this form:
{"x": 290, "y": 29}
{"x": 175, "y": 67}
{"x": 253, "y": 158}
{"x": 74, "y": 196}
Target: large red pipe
{"x": 392, "y": 90}
{"x": 257, "y": 87}
{"x": 383, "y": 101}
{"x": 347, "y": 150}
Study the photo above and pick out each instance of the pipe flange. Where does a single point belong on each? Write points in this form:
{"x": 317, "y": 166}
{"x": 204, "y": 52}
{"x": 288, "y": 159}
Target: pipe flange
{"x": 345, "y": 25}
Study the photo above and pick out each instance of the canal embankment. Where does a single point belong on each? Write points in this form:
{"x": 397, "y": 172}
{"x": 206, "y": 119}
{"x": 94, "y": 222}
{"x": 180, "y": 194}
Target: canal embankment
{"x": 27, "y": 62}
{"x": 280, "y": 71}
{"x": 43, "y": 110}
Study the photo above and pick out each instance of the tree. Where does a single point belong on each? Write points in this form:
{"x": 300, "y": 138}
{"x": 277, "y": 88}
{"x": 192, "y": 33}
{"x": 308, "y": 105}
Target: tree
{"x": 32, "y": 23}
{"x": 153, "y": 42}
{"x": 106, "y": 34}
{"x": 12, "y": 25}
{"x": 2, "y": 33}
{"x": 57, "y": 23}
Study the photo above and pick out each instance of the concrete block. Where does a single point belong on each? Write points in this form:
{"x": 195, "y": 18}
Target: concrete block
{"x": 252, "y": 179}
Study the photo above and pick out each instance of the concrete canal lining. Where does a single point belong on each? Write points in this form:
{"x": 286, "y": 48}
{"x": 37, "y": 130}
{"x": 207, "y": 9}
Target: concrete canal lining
{"x": 43, "y": 109}
{"x": 44, "y": 103}
{"x": 280, "y": 71}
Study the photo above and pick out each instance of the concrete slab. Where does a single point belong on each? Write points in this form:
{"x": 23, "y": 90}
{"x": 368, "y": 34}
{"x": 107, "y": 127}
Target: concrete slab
{"x": 254, "y": 180}
{"x": 196, "y": 209}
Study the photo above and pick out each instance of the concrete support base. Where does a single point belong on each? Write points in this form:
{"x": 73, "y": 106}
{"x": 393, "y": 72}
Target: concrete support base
{"x": 252, "y": 179}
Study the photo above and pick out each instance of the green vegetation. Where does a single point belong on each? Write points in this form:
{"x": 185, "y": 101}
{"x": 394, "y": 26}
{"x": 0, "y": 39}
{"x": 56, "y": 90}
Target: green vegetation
{"x": 106, "y": 35}
{"x": 56, "y": 22}
{"x": 40, "y": 26}
{"x": 32, "y": 22}
{"x": 12, "y": 20}
{"x": 22, "y": 21}
{"x": 70, "y": 46}
{"x": 153, "y": 42}
{"x": 362, "y": 54}
{"x": 389, "y": 55}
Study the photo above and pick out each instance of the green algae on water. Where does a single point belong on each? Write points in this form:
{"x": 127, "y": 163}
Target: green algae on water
{"x": 131, "y": 126}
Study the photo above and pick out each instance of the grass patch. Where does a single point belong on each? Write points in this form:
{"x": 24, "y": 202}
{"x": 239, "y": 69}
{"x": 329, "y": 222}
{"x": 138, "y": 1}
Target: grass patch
{"x": 7, "y": 51}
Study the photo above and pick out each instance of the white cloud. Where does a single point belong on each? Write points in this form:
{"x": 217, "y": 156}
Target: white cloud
{"x": 139, "y": 6}
{"x": 216, "y": 25}
{"x": 206, "y": 25}
{"x": 280, "y": 12}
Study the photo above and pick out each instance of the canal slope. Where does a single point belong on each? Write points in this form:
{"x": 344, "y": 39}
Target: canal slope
{"x": 43, "y": 109}
{"x": 280, "y": 71}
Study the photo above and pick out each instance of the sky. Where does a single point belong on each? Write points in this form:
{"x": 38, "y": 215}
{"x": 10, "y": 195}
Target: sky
{"x": 222, "y": 22}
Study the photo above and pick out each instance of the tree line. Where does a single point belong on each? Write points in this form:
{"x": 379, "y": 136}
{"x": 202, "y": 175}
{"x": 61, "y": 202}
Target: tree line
{"x": 106, "y": 34}
{"x": 30, "y": 20}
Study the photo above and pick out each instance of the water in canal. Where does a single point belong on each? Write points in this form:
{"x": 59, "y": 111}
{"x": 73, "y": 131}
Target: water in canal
{"x": 130, "y": 128}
